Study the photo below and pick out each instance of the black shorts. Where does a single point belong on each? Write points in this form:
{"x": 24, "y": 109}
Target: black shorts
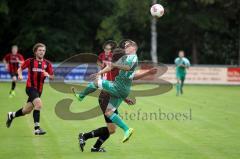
{"x": 32, "y": 93}
{"x": 103, "y": 100}
{"x": 14, "y": 74}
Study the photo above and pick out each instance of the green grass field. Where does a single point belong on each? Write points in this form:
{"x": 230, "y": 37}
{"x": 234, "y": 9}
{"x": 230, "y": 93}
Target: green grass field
{"x": 211, "y": 133}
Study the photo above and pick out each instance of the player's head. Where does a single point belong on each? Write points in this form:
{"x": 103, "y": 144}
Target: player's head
{"x": 130, "y": 47}
{"x": 39, "y": 50}
{"x": 14, "y": 49}
{"x": 107, "y": 49}
{"x": 108, "y": 46}
{"x": 117, "y": 54}
{"x": 181, "y": 53}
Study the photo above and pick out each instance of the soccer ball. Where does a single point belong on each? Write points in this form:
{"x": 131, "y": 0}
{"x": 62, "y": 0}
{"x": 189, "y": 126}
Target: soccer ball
{"x": 157, "y": 10}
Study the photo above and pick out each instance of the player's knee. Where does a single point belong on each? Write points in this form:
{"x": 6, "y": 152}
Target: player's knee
{"x": 14, "y": 79}
{"x": 112, "y": 130}
{"x": 37, "y": 104}
{"x": 108, "y": 113}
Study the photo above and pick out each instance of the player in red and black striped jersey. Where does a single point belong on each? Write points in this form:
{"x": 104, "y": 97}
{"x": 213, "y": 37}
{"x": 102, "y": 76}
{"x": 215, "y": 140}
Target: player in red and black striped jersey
{"x": 38, "y": 69}
{"x": 12, "y": 62}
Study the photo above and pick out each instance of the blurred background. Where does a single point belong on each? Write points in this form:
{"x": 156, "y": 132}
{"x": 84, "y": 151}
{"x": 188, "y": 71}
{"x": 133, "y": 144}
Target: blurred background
{"x": 208, "y": 30}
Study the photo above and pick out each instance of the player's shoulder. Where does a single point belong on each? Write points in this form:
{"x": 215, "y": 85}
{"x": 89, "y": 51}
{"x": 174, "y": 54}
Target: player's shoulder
{"x": 29, "y": 59}
{"x": 102, "y": 54}
{"x": 47, "y": 61}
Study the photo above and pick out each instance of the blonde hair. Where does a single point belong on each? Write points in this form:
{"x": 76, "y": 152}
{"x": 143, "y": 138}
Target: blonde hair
{"x": 37, "y": 45}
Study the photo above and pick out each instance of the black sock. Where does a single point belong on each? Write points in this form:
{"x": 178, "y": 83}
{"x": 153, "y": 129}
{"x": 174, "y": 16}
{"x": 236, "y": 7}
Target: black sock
{"x": 36, "y": 118}
{"x": 18, "y": 113}
{"x": 101, "y": 140}
{"x": 96, "y": 133}
{"x": 13, "y": 85}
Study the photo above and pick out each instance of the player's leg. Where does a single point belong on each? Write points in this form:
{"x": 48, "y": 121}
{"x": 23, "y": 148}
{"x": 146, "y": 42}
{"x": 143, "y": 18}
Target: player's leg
{"x": 182, "y": 84}
{"x": 13, "y": 86}
{"x": 102, "y": 133}
{"x": 21, "y": 112}
{"x": 110, "y": 113}
{"x": 178, "y": 85}
{"x": 91, "y": 87}
{"x": 36, "y": 116}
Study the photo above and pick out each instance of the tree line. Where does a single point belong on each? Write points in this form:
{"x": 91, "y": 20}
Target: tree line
{"x": 208, "y": 30}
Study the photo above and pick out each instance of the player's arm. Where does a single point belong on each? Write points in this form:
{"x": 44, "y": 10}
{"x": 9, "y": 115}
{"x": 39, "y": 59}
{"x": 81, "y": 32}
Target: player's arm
{"x": 24, "y": 65}
{"x": 49, "y": 72}
{"x": 5, "y": 61}
{"x": 19, "y": 71}
{"x": 121, "y": 67}
{"x": 20, "y": 60}
{"x": 152, "y": 71}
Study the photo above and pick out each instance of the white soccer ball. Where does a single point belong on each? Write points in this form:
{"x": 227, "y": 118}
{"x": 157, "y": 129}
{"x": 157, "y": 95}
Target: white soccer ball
{"x": 157, "y": 10}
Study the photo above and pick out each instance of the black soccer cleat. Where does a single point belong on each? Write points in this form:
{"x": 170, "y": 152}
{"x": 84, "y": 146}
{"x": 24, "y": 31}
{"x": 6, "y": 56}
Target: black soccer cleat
{"x": 97, "y": 149}
{"x": 82, "y": 142}
{"x": 9, "y": 119}
{"x": 39, "y": 131}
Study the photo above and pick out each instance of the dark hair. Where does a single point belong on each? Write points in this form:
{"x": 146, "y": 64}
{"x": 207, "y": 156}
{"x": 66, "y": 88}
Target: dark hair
{"x": 117, "y": 54}
{"x": 37, "y": 45}
{"x": 112, "y": 43}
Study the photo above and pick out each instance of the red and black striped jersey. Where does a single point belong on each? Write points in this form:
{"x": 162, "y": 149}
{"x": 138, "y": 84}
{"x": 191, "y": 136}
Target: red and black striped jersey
{"x": 102, "y": 57}
{"x": 36, "y": 72}
{"x": 13, "y": 61}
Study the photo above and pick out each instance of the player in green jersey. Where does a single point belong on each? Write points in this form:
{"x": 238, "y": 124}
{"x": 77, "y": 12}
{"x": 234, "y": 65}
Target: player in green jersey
{"x": 120, "y": 88}
{"x": 182, "y": 63}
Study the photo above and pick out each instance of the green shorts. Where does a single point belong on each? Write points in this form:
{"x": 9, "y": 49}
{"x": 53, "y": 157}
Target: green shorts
{"x": 181, "y": 76}
{"x": 115, "y": 97}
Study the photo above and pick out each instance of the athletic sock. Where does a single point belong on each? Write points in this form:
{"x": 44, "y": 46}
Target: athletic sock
{"x": 89, "y": 89}
{"x": 118, "y": 121}
{"x": 18, "y": 113}
{"x": 96, "y": 133}
{"x": 178, "y": 88}
{"x": 101, "y": 140}
{"x": 36, "y": 118}
{"x": 13, "y": 85}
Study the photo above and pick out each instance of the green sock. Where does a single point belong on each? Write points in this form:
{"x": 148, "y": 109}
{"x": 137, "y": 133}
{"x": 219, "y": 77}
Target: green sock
{"x": 178, "y": 88}
{"x": 118, "y": 121}
{"x": 89, "y": 89}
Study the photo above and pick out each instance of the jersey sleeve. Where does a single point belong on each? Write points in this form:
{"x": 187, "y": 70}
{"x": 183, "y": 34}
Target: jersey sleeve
{"x": 176, "y": 61}
{"x": 100, "y": 57}
{"x": 25, "y": 64}
{"x": 21, "y": 58}
{"x": 7, "y": 58}
{"x": 49, "y": 69}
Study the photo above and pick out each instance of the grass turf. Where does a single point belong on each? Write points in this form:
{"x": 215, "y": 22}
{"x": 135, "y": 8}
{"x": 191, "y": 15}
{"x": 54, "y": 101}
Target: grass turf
{"x": 211, "y": 132}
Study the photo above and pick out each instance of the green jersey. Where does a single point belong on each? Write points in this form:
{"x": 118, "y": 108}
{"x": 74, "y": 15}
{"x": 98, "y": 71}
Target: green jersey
{"x": 181, "y": 61}
{"x": 124, "y": 79}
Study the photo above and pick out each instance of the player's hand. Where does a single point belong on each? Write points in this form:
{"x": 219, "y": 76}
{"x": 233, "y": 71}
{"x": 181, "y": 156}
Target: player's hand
{"x": 152, "y": 71}
{"x": 130, "y": 101}
{"x": 45, "y": 74}
{"x": 94, "y": 76}
{"x": 20, "y": 77}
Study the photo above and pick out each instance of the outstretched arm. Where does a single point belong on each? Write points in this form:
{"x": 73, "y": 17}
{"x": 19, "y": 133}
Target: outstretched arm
{"x": 152, "y": 71}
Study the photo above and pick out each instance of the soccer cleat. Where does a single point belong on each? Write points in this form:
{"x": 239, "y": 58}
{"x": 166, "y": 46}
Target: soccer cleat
{"x": 97, "y": 149}
{"x": 39, "y": 131}
{"x": 127, "y": 134}
{"x": 82, "y": 142}
{"x": 76, "y": 94}
{"x": 12, "y": 94}
{"x": 9, "y": 119}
